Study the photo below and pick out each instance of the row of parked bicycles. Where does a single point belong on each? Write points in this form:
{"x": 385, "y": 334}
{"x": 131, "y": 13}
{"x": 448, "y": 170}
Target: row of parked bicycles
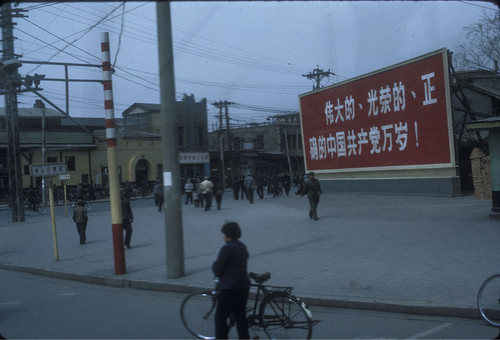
{"x": 33, "y": 203}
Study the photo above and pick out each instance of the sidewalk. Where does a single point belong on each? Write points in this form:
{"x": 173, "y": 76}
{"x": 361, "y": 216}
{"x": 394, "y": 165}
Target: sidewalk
{"x": 414, "y": 254}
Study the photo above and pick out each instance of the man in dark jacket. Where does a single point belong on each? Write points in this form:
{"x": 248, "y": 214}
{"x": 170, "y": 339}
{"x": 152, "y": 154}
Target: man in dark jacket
{"x": 80, "y": 218}
{"x": 127, "y": 218}
{"x": 234, "y": 284}
{"x": 313, "y": 191}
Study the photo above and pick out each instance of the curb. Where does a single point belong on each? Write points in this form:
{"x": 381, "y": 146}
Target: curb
{"x": 429, "y": 310}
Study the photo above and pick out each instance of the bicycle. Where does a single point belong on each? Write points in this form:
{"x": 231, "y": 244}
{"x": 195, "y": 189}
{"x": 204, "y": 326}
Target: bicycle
{"x": 33, "y": 207}
{"x": 275, "y": 311}
{"x": 488, "y": 300}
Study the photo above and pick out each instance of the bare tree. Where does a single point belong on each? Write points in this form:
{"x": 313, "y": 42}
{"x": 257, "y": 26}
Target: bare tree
{"x": 481, "y": 49}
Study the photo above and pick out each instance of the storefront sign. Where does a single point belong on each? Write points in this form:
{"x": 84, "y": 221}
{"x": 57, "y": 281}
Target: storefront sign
{"x": 194, "y": 158}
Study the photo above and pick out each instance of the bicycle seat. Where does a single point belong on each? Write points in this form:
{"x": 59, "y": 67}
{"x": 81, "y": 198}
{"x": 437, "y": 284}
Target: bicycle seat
{"x": 260, "y": 278}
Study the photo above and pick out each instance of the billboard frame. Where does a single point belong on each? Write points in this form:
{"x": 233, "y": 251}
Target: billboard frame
{"x": 441, "y": 169}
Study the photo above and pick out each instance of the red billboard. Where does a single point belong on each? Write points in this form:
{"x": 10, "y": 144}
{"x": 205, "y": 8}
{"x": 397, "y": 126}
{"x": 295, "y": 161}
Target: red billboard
{"x": 395, "y": 117}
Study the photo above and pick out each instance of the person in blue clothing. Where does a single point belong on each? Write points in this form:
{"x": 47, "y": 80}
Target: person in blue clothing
{"x": 234, "y": 284}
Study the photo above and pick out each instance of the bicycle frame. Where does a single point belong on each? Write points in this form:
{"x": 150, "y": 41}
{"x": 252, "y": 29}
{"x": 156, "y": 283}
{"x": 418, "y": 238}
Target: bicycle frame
{"x": 263, "y": 291}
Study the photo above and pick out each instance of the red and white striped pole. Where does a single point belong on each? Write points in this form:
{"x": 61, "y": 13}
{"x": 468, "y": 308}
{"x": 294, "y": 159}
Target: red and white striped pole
{"x": 114, "y": 181}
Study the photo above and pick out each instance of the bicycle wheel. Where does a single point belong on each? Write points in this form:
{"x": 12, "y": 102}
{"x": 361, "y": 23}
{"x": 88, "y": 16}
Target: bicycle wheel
{"x": 488, "y": 300}
{"x": 284, "y": 317}
{"x": 41, "y": 210}
{"x": 198, "y": 314}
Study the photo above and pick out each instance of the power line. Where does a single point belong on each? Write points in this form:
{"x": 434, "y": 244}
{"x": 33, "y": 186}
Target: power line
{"x": 137, "y": 77}
{"x": 481, "y": 6}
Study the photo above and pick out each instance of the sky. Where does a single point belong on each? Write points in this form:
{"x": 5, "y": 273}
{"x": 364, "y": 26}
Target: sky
{"x": 253, "y": 54}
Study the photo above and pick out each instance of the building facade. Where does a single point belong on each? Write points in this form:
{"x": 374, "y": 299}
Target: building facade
{"x": 81, "y": 144}
{"x": 65, "y": 142}
{"x": 266, "y": 149}
{"x": 476, "y": 97}
{"x": 192, "y": 134}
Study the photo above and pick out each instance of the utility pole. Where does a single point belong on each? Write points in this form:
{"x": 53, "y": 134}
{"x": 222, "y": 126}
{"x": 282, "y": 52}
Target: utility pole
{"x": 229, "y": 140}
{"x": 318, "y": 75}
{"x": 220, "y": 104}
{"x": 287, "y": 153}
{"x": 221, "y": 143}
{"x": 171, "y": 169}
{"x": 11, "y": 77}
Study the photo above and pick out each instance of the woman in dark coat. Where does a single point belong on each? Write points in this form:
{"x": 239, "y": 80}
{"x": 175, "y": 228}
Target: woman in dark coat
{"x": 234, "y": 284}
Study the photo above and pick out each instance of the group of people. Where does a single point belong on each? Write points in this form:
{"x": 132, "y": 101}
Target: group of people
{"x": 201, "y": 192}
{"x": 248, "y": 185}
{"x": 274, "y": 185}
{"x": 205, "y": 190}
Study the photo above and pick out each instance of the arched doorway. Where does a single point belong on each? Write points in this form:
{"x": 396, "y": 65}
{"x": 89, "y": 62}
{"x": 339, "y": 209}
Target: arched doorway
{"x": 141, "y": 171}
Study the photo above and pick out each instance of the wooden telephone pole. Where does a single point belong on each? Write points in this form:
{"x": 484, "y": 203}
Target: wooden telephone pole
{"x": 10, "y": 77}
{"x": 318, "y": 75}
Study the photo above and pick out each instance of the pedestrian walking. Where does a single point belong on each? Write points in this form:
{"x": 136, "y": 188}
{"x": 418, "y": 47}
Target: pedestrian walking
{"x": 260, "y": 187}
{"x": 206, "y": 188}
{"x": 198, "y": 202}
{"x": 219, "y": 190}
{"x": 275, "y": 186}
{"x": 313, "y": 191}
{"x": 285, "y": 180}
{"x": 242, "y": 187}
{"x": 80, "y": 218}
{"x": 234, "y": 284}
{"x": 127, "y": 218}
{"x": 158, "y": 192}
{"x": 249, "y": 187}
{"x": 236, "y": 188}
{"x": 188, "y": 189}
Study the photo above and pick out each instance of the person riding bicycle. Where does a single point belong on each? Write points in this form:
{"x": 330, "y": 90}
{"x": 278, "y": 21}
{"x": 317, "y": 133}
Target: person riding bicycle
{"x": 234, "y": 284}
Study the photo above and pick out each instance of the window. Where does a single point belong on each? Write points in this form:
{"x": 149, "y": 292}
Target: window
{"x": 85, "y": 179}
{"x": 180, "y": 135}
{"x": 51, "y": 159}
{"x": 237, "y": 141}
{"x": 259, "y": 142}
{"x": 27, "y": 170}
{"x": 71, "y": 163}
{"x": 495, "y": 106}
{"x": 200, "y": 136}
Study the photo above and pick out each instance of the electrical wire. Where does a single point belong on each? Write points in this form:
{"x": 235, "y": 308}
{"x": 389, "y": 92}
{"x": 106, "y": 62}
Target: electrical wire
{"x": 120, "y": 35}
{"x": 133, "y": 76}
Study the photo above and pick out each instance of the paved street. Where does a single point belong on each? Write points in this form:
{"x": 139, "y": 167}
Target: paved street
{"x": 413, "y": 254}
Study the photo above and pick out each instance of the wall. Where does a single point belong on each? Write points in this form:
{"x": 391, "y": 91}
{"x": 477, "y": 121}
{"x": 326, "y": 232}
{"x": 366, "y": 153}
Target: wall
{"x": 129, "y": 152}
{"x": 481, "y": 174}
